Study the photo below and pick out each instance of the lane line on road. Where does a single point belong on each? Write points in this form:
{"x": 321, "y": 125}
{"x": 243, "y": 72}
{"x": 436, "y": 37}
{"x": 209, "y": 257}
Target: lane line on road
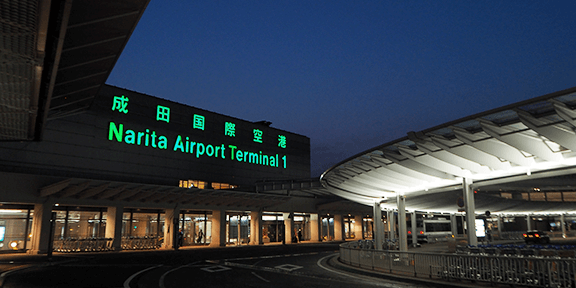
{"x": 127, "y": 282}
{"x": 260, "y": 277}
{"x": 319, "y": 263}
{"x": 189, "y": 265}
{"x": 273, "y": 256}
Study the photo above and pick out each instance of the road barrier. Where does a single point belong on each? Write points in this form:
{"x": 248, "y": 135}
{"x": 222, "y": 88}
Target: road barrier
{"x": 70, "y": 245}
{"x": 141, "y": 243}
{"x": 536, "y": 271}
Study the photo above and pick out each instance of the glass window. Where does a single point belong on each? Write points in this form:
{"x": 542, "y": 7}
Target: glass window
{"x": 554, "y": 196}
{"x": 569, "y": 196}
{"x": 327, "y": 228}
{"x": 537, "y": 196}
{"x": 272, "y": 227}
{"x": 15, "y": 229}
{"x": 144, "y": 224}
{"x": 238, "y": 231}
{"x": 196, "y": 228}
{"x": 85, "y": 224}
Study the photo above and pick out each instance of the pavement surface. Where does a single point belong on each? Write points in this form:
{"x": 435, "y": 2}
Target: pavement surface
{"x": 295, "y": 265}
{"x": 292, "y": 265}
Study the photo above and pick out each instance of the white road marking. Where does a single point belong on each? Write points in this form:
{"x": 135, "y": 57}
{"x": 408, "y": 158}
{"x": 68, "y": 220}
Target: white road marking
{"x": 213, "y": 269}
{"x": 289, "y": 267}
{"x": 260, "y": 277}
{"x": 190, "y": 265}
{"x": 127, "y": 282}
{"x": 273, "y": 256}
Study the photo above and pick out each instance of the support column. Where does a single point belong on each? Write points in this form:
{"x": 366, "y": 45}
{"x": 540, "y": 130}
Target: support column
{"x": 338, "y": 228}
{"x": 378, "y": 227}
{"x": 40, "y": 241}
{"x": 171, "y": 231}
{"x": 391, "y": 225}
{"x": 114, "y": 226}
{"x": 528, "y": 222}
{"x": 315, "y": 225}
{"x": 358, "y": 233}
{"x": 563, "y": 224}
{"x": 288, "y": 227}
{"x": 402, "y": 231}
{"x": 470, "y": 211}
{"x": 218, "y": 228}
{"x": 255, "y": 227}
{"x": 453, "y": 225}
{"x": 414, "y": 229}
{"x": 500, "y": 226}
{"x": 388, "y": 224}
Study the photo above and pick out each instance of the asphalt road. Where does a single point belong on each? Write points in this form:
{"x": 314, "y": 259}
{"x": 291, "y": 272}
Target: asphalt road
{"x": 304, "y": 265}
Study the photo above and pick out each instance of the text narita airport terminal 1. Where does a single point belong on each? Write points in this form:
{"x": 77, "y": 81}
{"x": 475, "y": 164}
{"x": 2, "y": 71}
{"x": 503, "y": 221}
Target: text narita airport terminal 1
{"x": 183, "y": 144}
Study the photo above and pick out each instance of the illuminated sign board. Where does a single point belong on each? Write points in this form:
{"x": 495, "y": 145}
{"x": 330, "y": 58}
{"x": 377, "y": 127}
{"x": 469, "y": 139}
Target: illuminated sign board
{"x": 232, "y": 150}
{"x": 480, "y": 229}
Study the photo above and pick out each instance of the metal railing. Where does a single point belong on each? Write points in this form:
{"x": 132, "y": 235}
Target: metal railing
{"x": 70, "y": 245}
{"x": 141, "y": 243}
{"x": 534, "y": 271}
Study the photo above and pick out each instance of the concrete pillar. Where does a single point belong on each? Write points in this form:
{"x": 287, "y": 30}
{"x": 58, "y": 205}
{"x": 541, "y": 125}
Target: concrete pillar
{"x": 388, "y": 227}
{"x": 402, "y": 231}
{"x": 528, "y": 222}
{"x": 40, "y": 241}
{"x": 563, "y": 224}
{"x": 114, "y": 226}
{"x": 338, "y": 228}
{"x": 218, "y": 228}
{"x": 500, "y": 226}
{"x": 470, "y": 208}
{"x": 453, "y": 224}
{"x": 255, "y": 227}
{"x": 288, "y": 227}
{"x": 315, "y": 225}
{"x": 391, "y": 224}
{"x": 171, "y": 228}
{"x": 414, "y": 228}
{"x": 358, "y": 233}
{"x": 378, "y": 227}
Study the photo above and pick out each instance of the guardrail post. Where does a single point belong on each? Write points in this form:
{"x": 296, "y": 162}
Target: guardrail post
{"x": 414, "y": 263}
{"x": 390, "y": 261}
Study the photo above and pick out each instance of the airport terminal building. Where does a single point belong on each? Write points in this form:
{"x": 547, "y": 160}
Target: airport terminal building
{"x": 85, "y": 166}
{"x": 134, "y": 166}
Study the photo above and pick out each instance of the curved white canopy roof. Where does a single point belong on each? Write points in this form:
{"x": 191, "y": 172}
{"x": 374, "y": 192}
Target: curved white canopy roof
{"x": 532, "y": 139}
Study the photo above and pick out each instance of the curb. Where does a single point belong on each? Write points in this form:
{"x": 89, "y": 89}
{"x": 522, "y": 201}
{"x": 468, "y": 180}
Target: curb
{"x": 335, "y": 263}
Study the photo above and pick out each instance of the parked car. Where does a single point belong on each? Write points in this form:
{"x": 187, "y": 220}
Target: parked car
{"x": 536, "y": 236}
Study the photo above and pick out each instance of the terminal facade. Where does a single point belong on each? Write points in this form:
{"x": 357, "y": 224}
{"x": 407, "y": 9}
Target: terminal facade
{"x": 86, "y": 161}
{"x": 134, "y": 166}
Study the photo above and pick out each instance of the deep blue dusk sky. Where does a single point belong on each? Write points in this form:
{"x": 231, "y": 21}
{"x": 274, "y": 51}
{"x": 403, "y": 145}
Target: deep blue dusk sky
{"x": 350, "y": 74}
